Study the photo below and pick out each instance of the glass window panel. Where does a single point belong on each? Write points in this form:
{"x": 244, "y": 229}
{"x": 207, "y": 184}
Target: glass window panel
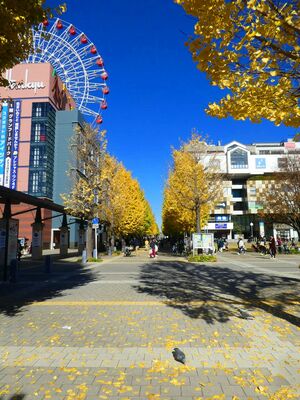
{"x": 239, "y": 159}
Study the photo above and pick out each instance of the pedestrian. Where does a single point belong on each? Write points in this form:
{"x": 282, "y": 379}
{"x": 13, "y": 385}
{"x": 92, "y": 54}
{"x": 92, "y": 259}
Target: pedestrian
{"x": 272, "y": 247}
{"x": 220, "y": 245}
{"x": 285, "y": 246}
{"x": 136, "y": 245}
{"x": 241, "y": 246}
{"x": 225, "y": 245}
{"x": 262, "y": 246}
{"x": 152, "y": 253}
{"x": 279, "y": 244}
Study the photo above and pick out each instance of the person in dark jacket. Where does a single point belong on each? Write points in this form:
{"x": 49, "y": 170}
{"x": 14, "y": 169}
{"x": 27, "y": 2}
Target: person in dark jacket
{"x": 272, "y": 246}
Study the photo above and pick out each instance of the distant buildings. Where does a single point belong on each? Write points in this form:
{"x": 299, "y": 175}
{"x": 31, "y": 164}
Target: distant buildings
{"x": 38, "y": 117}
{"x": 248, "y": 170}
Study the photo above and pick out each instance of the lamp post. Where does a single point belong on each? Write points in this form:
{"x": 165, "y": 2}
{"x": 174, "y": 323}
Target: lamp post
{"x": 251, "y": 229}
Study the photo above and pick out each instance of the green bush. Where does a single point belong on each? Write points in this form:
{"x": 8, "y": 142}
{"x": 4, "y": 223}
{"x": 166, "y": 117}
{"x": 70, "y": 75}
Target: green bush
{"x": 294, "y": 251}
{"x": 91, "y": 259}
{"x": 202, "y": 258}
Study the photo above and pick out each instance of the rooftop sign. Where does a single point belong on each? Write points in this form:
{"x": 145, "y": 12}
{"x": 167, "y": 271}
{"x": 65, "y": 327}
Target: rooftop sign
{"x": 24, "y": 83}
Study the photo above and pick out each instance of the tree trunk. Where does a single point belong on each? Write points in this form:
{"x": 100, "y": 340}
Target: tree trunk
{"x": 198, "y": 219}
{"x": 112, "y": 242}
{"x": 89, "y": 240}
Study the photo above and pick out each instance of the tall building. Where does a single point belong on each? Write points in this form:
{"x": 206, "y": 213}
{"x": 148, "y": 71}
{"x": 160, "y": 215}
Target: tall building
{"x": 38, "y": 116}
{"x": 248, "y": 173}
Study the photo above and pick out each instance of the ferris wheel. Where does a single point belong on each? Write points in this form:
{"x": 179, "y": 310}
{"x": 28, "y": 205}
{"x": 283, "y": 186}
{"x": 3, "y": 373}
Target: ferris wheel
{"x": 76, "y": 61}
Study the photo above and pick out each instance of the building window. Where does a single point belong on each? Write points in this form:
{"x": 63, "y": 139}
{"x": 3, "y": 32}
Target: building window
{"x": 37, "y": 132}
{"x": 35, "y": 182}
{"x": 236, "y": 193}
{"x": 260, "y": 163}
{"x": 36, "y": 157}
{"x": 239, "y": 159}
{"x": 38, "y": 111}
{"x": 239, "y": 206}
{"x": 282, "y": 162}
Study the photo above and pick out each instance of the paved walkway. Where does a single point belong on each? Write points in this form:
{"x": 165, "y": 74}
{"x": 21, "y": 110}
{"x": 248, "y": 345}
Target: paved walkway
{"x": 107, "y": 331}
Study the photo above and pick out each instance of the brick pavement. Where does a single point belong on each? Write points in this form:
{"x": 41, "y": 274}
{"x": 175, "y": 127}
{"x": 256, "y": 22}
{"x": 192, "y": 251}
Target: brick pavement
{"x": 107, "y": 332}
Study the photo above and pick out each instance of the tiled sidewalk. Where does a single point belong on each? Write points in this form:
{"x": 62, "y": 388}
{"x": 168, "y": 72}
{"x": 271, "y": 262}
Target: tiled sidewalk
{"x": 107, "y": 332}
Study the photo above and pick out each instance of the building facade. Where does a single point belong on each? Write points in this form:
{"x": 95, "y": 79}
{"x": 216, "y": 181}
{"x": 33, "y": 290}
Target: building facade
{"x": 248, "y": 170}
{"x": 38, "y": 116}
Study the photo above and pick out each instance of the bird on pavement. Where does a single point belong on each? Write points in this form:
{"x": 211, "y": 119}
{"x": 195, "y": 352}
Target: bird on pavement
{"x": 244, "y": 314}
{"x": 178, "y": 355}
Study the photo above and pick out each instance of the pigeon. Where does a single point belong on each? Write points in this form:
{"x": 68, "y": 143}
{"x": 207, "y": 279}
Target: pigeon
{"x": 178, "y": 355}
{"x": 244, "y": 314}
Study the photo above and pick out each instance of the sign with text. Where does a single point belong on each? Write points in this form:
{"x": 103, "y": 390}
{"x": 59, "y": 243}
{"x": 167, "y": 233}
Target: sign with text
{"x": 15, "y": 145}
{"x": 3, "y": 140}
{"x": 221, "y": 226}
{"x": 203, "y": 241}
{"x": 8, "y": 153}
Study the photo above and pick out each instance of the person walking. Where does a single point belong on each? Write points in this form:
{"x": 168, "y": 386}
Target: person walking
{"x": 279, "y": 244}
{"x": 152, "y": 247}
{"x": 220, "y": 245}
{"x": 241, "y": 246}
{"x": 272, "y": 246}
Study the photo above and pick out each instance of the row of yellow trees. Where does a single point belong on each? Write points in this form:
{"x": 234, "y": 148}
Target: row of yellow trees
{"x": 104, "y": 188}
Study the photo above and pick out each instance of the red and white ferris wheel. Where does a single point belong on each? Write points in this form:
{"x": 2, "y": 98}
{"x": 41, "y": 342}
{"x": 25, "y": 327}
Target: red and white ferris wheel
{"x": 76, "y": 61}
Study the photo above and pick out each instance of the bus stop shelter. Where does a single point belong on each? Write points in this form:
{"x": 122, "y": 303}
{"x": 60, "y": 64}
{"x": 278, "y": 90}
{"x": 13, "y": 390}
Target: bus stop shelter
{"x": 9, "y": 225}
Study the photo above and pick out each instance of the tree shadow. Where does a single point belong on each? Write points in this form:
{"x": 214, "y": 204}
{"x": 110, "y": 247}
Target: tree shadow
{"x": 36, "y": 285}
{"x": 215, "y": 293}
{"x": 19, "y": 396}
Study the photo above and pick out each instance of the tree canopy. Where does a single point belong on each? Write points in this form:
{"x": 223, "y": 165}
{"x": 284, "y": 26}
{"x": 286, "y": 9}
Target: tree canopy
{"x": 16, "y": 20}
{"x": 123, "y": 205}
{"x": 193, "y": 187}
{"x": 251, "y": 48}
{"x": 88, "y": 148}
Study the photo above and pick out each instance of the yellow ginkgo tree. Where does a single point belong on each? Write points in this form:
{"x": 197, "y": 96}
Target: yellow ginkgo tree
{"x": 251, "y": 48}
{"x": 123, "y": 206}
{"x": 88, "y": 149}
{"x": 193, "y": 187}
{"x": 16, "y": 20}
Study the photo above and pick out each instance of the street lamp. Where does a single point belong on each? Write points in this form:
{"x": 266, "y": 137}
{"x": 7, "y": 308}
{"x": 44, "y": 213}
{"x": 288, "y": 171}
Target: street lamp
{"x": 251, "y": 229}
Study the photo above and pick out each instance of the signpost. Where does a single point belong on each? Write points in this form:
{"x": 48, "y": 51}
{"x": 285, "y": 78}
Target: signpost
{"x": 95, "y": 225}
{"x": 204, "y": 241}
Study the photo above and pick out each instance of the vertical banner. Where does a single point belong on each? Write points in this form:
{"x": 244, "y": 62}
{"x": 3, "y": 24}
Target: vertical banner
{"x": 3, "y": 140}
{"x": 8, "y": 153}
{"x": 261, "y": 229}
{"x": 15, "y": 145}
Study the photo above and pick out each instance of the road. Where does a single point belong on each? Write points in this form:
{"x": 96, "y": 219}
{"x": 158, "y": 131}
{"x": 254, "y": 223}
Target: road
{"x": 106, "y": 331}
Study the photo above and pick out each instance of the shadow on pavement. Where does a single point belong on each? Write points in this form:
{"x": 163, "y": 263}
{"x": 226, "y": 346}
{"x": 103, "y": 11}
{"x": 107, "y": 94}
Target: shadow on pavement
{"x": 14, "y": 397}
{"x": 35, "y": 285}
{"x": 215, "y": 293}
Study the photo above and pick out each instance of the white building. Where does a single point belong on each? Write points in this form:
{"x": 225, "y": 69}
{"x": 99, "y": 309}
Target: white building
{"x": 248, "y": 169}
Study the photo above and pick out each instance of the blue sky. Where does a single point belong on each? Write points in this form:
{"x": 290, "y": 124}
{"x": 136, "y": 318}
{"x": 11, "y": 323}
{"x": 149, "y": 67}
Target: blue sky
{"x": 157, "y": 94}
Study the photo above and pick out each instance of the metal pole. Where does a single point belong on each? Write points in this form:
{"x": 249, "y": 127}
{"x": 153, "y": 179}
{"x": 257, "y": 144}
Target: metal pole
{"x": 96, "y": 244}
{"x": 7, "y": 216}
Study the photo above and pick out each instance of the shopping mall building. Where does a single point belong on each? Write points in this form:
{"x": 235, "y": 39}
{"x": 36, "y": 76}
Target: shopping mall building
{"x": 248, "y": 170}
{"x": 38, "y": 116}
